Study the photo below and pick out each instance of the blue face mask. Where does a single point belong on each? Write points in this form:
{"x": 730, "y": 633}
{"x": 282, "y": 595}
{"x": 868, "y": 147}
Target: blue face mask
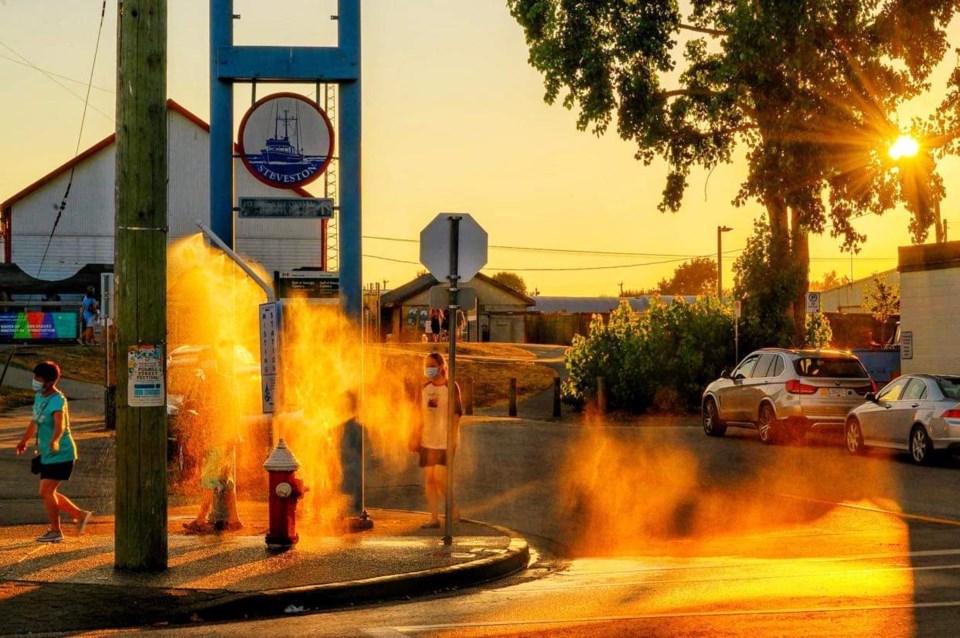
{"x": 431, "y": 372}
{"x": 38, "y": 386}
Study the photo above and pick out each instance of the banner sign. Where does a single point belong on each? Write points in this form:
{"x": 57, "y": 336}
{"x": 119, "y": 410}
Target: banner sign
{"x": 286, "y": 140}
{"x": 286, "y": 207}
{"x": 145, "y": 377}
{"x": 40, "y": 327}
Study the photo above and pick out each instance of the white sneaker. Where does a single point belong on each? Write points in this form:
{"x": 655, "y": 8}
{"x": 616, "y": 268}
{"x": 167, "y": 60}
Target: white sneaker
{"x": 82, "y": 521}
{"x": 50, "y": 536}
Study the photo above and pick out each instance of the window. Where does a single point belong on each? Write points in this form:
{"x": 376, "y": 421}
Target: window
{"x": 746, "y": 367}
{"x": 830, "y": 368}
{"x": 892, "y": 391}
{"x": 916, "y": 390}
{"x": 763, "y": 367}
{"x": 950, "y": 386}
{"x": 777, "y": 367}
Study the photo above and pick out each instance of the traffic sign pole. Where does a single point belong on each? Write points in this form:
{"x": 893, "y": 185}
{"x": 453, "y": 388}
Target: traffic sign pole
{"x": 452, "y": 378}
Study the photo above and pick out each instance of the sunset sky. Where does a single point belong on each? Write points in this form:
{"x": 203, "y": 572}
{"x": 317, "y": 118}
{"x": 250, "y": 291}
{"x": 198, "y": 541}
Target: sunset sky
{"x": 454, "y": 120}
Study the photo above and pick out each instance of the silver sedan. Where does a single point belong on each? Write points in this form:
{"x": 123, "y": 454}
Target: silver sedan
{"x": 918, "y": 413}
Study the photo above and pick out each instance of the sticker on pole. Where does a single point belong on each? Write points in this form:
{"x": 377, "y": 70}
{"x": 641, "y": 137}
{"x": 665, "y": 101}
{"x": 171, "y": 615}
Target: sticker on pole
{"x": 269, "y": 353}
{"x": 145, "y": 377}
{"x": 286, "y": 140}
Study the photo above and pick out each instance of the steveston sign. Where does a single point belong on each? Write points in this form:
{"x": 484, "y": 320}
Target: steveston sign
{"x": 286, "y": 140}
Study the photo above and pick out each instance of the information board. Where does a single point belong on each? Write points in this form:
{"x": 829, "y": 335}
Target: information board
{"x": 312, "y": 284}
{"x": 145, "y": 377}
{"x": 40, "y": 327}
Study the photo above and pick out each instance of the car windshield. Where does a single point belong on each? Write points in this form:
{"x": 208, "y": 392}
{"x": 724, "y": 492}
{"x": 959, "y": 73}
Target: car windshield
{"x": 829, "y": 367}
{"x": 950, "y": 386}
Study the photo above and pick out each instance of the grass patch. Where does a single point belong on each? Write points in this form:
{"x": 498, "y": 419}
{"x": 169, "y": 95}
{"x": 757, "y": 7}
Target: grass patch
{"x": 11, "y": 398}
{"x": 80, "y": 363}
{"x": 469, "y": 349}
{"x": 491, "y": 379}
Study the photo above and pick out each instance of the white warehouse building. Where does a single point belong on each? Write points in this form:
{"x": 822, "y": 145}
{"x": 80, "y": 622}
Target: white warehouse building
{"x": 85, "y": 233}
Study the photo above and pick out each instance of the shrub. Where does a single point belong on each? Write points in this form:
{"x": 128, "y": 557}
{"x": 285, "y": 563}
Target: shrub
{"x": 819, "y": 333}
{"x": 662, "y": 358}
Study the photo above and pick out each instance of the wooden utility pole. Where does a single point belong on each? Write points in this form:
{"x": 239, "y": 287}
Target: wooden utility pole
{"x": 140, "y": 265}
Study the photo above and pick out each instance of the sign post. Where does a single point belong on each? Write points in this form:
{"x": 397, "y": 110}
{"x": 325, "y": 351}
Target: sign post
{"x": 452, "y": 247}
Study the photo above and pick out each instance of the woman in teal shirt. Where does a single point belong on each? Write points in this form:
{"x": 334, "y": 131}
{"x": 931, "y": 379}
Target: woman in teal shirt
{"x": 58, "y": 451}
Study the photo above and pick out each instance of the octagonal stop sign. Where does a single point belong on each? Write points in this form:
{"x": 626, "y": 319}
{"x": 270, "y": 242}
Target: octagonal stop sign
{"x": 435, "y": 247}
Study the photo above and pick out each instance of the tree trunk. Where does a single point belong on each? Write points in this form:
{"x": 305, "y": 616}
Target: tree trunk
{"x": 800, "y": 251}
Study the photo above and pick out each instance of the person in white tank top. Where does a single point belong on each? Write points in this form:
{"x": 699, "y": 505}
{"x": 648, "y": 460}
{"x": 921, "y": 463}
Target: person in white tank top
{"x": 430, "y": 440}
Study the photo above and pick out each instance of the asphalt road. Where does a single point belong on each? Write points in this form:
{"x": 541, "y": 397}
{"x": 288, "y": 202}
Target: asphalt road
{"x": 662, "y": 531}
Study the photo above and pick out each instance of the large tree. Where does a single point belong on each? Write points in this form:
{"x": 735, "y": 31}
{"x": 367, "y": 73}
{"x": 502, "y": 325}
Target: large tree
{"x": 695, "y": 277}
{"x": 807, "y": 88}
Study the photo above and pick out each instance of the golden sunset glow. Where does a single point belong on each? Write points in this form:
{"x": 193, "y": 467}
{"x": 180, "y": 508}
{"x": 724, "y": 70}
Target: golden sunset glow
{"x": 904, "y": 146}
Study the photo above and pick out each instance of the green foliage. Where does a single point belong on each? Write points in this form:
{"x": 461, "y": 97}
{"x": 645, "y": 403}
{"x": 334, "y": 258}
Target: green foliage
{"x": 662, "y": 358}
{"x": 511, "y": 280}
{"x": 830, "y": 281}
{"x": 818, "y": 330}
{"x": 695, "y": 277}
{"x": 766, "y": 288}
{"x": 882, "y": 300}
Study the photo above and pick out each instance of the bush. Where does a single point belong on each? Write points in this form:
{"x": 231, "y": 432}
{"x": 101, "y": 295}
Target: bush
{"x": 662, "y": 358}
{"x": 819, "y": 333}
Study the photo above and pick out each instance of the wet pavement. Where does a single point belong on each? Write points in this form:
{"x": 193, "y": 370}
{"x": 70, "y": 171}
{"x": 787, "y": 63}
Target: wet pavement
{"x": 73, "y": 586}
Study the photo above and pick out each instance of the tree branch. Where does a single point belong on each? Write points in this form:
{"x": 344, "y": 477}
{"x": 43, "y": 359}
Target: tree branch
{"x": 717, "y": 33}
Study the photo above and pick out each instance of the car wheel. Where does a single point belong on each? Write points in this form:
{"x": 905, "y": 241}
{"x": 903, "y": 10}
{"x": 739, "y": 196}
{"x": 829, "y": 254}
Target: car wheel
{"x": 711, "y": 419}
{"x": 767, "y": 424}
{"x": 921, "y": 448}
{"x": 854, "y": 437}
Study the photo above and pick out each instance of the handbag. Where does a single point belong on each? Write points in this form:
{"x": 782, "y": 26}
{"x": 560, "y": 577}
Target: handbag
{"x": 35, "y": 465}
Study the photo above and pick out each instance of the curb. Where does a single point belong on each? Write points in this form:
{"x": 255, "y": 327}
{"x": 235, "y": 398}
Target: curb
{"x": 245, "y": 605}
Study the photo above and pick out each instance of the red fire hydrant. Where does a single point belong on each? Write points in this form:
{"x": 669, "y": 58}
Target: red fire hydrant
{"x": 285, "y": 491}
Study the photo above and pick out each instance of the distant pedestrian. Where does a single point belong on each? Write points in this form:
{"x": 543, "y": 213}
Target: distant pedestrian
{"x": 58, "y": 451}
{"x": 90, "y": 312}
{"x": 430, "y": 438}
{"x": 435, "y": 319}
{"x": 428, "y": 327}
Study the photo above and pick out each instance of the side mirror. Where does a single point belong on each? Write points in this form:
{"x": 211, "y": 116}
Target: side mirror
{"x": 724, "y": 374}
{"x": 870, "y": 396}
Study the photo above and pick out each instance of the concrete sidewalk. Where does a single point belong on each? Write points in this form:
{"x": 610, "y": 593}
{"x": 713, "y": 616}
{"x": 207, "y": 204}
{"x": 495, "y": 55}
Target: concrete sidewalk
{"x": 72, "y": 586}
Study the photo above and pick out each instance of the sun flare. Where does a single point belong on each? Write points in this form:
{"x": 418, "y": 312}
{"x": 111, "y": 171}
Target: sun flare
{"x": 904, "y": 146}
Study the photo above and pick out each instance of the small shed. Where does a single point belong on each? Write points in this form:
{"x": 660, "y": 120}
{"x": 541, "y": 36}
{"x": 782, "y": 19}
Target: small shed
{"x": 498, "y": 316}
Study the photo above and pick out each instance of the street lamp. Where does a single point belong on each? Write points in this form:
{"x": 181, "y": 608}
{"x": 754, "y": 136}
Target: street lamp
{"x": 720, "y": 231}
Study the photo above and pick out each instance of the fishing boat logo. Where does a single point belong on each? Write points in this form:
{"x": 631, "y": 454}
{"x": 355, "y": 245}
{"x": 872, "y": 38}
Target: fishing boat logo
{"x": 286, "y": 140}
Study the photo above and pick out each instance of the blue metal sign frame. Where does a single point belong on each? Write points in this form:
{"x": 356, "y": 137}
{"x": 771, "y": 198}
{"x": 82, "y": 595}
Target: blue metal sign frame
{"x": 339, "y": 65}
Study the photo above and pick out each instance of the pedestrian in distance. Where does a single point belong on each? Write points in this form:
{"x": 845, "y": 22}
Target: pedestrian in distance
{"x": 429, "y": 439}
{"x": 428, "y": 328}
{"x": 436, "y": 317}
{"x": 57, "y": 450}
{"x": 91, "y": 311}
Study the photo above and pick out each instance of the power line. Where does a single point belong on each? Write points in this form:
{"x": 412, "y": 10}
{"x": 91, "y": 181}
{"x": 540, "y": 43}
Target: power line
{"x": 57, "y": 82}
{"x": 567, "y": 251}
{"x": 48, "y": 72}
{"x": 83, "y": 119}
{"x": 573, "y": 269}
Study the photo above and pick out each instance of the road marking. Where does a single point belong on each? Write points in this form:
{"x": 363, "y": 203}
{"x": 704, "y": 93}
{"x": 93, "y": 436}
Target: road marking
{"x": 538, "y": 589}
{"x": 877, "y": 510}
{"x": 404, "y": 631}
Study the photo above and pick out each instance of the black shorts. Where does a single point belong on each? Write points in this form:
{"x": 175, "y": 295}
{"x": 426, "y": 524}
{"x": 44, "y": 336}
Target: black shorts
{"x": 431, "y": 456}
{"x": 56, "y": 471}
